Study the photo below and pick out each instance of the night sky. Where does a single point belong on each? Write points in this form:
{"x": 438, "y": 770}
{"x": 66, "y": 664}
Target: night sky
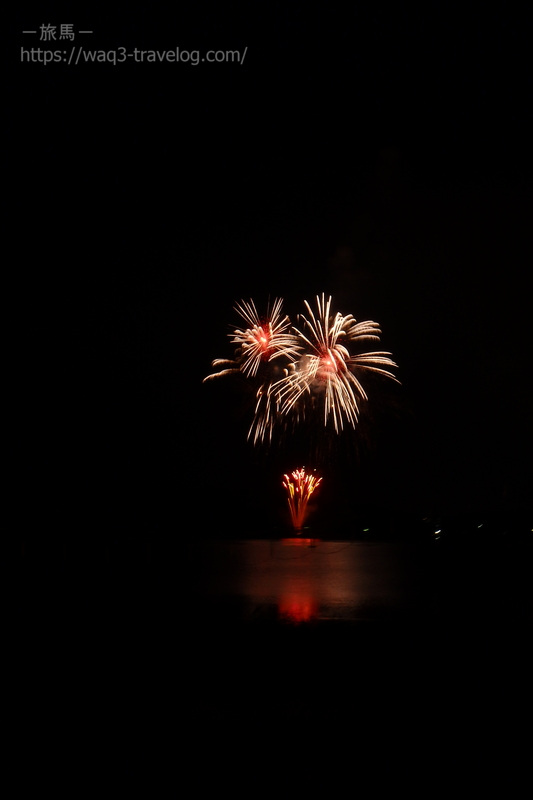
{"x": 379, "y": 156}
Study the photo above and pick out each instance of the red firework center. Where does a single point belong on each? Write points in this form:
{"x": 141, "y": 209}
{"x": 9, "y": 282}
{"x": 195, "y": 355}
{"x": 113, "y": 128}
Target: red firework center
{"x": 330, "y": 364}
{"x": 262, "y": 336}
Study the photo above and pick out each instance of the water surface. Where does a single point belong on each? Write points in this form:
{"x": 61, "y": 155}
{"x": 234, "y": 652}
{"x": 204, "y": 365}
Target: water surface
{"x": 297, "y": 580}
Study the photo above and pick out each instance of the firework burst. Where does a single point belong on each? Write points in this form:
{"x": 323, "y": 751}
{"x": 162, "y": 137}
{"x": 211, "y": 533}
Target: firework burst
{"x": 300, "y": 486}
{"x": 299, "y": 372}
{"x": 265, "y": 339}
{"x": 325, "y": 374}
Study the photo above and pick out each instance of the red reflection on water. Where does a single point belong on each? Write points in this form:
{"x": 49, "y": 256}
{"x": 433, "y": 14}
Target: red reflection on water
{"x": 298, "y": 600}
{"x": 298, "y": 607}
{"x": 300, "y": 542}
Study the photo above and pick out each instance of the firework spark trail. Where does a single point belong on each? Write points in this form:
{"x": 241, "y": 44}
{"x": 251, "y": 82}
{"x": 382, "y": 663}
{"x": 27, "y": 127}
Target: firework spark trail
{"x": 300, "y": 487}
{"x": 265, "y": 417}
{"x": 233, "y": 368}
{"x": 313, "y": 367}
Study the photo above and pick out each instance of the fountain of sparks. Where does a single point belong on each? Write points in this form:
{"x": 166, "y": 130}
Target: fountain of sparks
{"x": 300, "y": 486}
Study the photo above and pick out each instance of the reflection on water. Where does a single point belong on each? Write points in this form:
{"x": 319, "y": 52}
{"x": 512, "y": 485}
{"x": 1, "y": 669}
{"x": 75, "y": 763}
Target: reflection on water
{"x": 297, "y": 601}
{"x": 298, "y": 607}
{"x": 299, "y": 580}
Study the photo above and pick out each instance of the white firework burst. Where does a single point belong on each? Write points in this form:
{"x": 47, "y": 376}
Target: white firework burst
{"x": 326, "y": 370}
{"x": 264, "y": 340}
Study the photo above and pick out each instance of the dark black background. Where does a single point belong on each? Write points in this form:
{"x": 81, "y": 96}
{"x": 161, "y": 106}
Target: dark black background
{"x": 379, "y": 155}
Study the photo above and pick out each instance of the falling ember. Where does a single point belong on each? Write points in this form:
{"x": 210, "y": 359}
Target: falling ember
{"x": 300, "y": 487}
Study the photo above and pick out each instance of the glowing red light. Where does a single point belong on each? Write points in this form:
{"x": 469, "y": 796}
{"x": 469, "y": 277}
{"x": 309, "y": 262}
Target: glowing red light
{"x": 298, "y": 608}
